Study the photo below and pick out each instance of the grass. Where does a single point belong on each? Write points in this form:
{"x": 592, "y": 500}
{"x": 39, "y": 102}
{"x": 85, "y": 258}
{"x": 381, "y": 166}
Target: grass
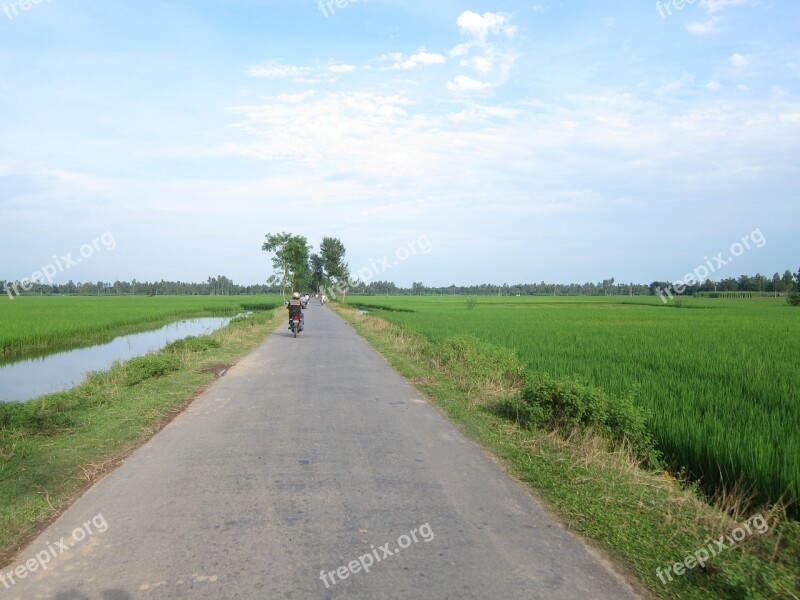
{"x": 31, "y": 326}
{"x": 55, "y": 446}
{"x": 644, "y": 519}
{"x": 717, "y": 377}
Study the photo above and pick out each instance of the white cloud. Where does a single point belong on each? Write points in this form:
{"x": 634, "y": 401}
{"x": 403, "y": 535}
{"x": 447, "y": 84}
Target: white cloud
{"x": 460, "y": 49}
{"x": 292, "y": 98}
{"x": 275, "y": 70}
{"x": 464, "y": 83}
{"x": 392, "y": 56}
{"x": 357, "y": 131}
{"x": 479, "y": 26}
{"x": 715, "y": 6}
{"x": 477, "y": 113}
{"x": 619, "y": 122}
{"x": 493, "y": 59}
{"x": 713, "y": 86}
{"x": 482, "y": 64}
{"x": 790, "y": 118}
{"x": 342, "y": 68}
{"x": 739, "y": 61}
{"x": 702, "y": 28}
{"x": 423, "y": 57}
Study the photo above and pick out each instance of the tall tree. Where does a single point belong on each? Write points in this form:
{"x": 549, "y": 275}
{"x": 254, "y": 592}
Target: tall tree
{"x": 317, "y": 272}
{"x": 290, "y": 261}
{"x": 332, "y": 252}
{"x": 787, "y": 281}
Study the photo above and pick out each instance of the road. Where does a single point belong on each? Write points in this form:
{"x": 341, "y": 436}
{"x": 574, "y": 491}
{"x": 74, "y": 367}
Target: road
{"x": 310, "y": 470}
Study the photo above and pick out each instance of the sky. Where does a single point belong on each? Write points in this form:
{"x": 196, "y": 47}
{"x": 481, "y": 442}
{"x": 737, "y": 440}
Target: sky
{"x": 444, "y": 142}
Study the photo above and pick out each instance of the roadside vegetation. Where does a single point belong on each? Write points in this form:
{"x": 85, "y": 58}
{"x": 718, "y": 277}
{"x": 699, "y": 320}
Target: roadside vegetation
{"x": 717, "y": 378}
{"x": 55, "y": 446}
{"x": 592, "y": 452}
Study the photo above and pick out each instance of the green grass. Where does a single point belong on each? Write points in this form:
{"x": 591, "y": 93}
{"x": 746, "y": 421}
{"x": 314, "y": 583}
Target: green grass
{"x": 31, "y": 325}
{"x": 643, "y": 520}
{"x": 718, "y": 377}
{"x": 54, "y": 446}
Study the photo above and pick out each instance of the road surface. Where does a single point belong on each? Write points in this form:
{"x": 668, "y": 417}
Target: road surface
{"x": 311, "y": 470}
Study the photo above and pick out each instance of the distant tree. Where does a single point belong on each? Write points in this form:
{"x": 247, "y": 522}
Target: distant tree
{"x": 775, "y": 284}
{"x": 607, "y": 285}
{"x": 317, "y": 272}
{"x": 290, "y": 261}
{"x": 746, "y": 283}
{"x": 759, "y": 282}
{"x": 332, "y": 252}
{"x": 788, "y": 281}
{"x": 336, "y": 272}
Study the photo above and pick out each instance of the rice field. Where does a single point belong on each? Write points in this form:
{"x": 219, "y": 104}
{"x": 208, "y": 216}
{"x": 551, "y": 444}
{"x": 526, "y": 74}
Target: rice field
{"x": 31, "y": 325}
{"x": 719, "y": 376}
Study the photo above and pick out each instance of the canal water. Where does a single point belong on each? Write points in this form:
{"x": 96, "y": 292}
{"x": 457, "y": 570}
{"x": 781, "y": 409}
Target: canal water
{"x": 33, "y": 377}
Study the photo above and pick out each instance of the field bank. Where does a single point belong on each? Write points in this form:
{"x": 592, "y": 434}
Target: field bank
{"x": 719, "y": 377}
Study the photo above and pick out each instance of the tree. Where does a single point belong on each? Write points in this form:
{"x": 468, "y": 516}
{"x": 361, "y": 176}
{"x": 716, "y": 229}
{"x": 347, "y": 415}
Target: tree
{"x": 787, "y": 281}
{"x": 290, "y": 261}
{"x": 332, "y": 252}
{"x": 317, "y": 272}
{"x": 607, "y": 284}
{"x": 335, "y": 269}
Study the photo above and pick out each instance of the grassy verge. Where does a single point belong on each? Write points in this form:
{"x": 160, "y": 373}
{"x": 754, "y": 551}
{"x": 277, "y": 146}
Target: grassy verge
{"x": 644, "y": 519}
{"x": 53, "y": 447}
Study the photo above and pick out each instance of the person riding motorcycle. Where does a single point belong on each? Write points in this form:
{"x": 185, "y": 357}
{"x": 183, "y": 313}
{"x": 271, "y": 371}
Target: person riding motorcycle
{"x": 295, "y": 307}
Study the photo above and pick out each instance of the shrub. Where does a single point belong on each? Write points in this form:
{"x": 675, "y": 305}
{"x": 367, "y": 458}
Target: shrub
{"x": 150, "y": 365}
{"x": 45, "y": 416}
{"x": 193, "y": 344}
{"x": 794, "y": 298}
{"x": 565, "y": 404}
{"x": 468, "y": 360}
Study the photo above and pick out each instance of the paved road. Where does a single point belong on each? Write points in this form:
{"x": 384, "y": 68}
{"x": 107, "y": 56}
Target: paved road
{"x": 309, "y": 454}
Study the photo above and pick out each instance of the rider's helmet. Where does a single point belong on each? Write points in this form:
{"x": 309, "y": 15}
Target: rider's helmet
{"x": 296, "y": 295}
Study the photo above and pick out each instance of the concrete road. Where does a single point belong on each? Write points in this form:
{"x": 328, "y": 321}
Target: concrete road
{"x": 311, "y": 470}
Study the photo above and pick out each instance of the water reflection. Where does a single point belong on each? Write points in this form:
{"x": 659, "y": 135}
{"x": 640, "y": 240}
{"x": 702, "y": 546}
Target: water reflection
{"x": 34, "y": 377}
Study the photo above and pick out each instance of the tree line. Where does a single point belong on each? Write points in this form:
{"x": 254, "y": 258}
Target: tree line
{"x": 213, "y": 286}
{"x": 297, "y": 267}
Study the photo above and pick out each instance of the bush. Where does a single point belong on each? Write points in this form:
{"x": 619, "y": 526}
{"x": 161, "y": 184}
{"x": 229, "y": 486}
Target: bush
{"x": 151, "y": 365}
{"x": 193, "y": 344}
{"x": 45, "y": 416}
{"x": 568, "y": 405}
{"x": 794, "y": 298}
{"x": 475, "y": 365}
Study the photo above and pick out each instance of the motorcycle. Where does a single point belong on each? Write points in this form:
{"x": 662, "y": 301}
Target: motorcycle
{"x": 295, "y": 324}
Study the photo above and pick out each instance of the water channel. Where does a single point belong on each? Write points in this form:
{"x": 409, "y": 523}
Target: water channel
{"x": 29, "y": 378}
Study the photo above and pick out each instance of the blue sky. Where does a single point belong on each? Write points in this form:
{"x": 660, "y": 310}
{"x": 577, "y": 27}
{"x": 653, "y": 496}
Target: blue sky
{"x": 557, "y": 141}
